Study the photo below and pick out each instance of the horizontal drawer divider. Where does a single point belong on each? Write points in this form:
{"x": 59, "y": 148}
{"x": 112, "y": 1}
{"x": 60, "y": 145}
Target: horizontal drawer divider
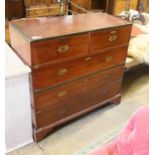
{"x": 73, "y": 80}
{"x": 78, "y": 57}
{"x": 73, "y": 116}
{"x": 49, "y": 107}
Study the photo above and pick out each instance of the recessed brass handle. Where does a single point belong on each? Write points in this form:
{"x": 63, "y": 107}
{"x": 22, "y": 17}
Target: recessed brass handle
{"x": 87, "y": 58}
{"x": 63, "y": 49}
{"x": 109, "y": 58}
{"x": 62, "y": 94}
{"x": 113, "y": 32}
{"x": 112, "y": 37}
{"x": 62, "y": 72}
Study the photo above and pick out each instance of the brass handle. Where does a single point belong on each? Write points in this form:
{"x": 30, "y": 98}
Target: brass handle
{"x": 112, "y": 37}
{"x": 62, "y": 94}
{"x": 109, "y": 58}
{"x": 113, "y": 32}
{"x": 63, "y": 49}
{"x": 62, "y": 72}
{"x": 87, "y": 58}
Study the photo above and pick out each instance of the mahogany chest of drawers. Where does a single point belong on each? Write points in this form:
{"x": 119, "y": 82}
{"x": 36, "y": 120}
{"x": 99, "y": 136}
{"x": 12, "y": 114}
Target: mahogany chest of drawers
{"x": 77, "y": 64}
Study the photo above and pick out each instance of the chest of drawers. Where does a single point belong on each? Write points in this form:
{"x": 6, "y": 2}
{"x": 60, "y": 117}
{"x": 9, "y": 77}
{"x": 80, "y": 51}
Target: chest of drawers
{"x": 77, "y": 64}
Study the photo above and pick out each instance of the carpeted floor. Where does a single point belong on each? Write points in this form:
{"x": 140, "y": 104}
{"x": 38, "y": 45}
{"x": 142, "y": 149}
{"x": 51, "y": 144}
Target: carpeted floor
{"x": 71, "y": 138}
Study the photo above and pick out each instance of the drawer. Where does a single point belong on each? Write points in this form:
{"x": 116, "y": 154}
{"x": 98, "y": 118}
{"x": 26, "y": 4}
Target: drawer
{"x": 59, "y": 49}
{"x": 70, "y": 90}
{"x": 76, "y": 104}
{"x": 52, "y": 75}
{"x": 100, "y": 40}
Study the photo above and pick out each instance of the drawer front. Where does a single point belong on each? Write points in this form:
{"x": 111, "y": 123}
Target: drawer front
{"x": 101, "y": 40}
{"x": 56, "y": 50}
{"x": 76, "y": 104}
{"x": 56, "y": 74}
{"x": 64, "y": 92}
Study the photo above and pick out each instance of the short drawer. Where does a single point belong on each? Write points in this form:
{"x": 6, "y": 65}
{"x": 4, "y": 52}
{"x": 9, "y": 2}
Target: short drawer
{"x": 76, "y": 104}
{"x": 64, "y": 93}
{"x": 55, "y": 50}
{"x": 100, "y": 40}
{"x": 53, "y": 75}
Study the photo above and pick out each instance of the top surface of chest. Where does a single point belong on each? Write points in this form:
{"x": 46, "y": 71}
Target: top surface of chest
{"x": 43, "y": 28}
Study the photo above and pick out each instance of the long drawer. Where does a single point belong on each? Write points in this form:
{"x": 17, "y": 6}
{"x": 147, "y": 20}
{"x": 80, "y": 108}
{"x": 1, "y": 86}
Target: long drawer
{"x": 59, "y": 49}
{"x": 52, "y": 75}
{"x": 64, "y": 92}
{"x": 76, "y": 104}
{"x": 109, "y": 38}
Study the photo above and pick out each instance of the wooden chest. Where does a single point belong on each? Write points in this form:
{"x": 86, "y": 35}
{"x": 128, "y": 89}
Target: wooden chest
{"x": 77, "y": 64}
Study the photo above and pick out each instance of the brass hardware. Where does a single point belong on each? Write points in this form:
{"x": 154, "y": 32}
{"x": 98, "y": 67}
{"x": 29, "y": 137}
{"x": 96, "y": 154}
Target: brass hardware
{"x": 63, "y": 49}
{"x": 85, "y": 80}
{"x": 87, "y": 58}
{"x": 109, "y": 58}
{"x": 62, "y": 72}
{"x": 36, "y": 66}
{"x": 62, "y": 94}
{"x": 113, "y": 32}
{"x": 112, "y": 37}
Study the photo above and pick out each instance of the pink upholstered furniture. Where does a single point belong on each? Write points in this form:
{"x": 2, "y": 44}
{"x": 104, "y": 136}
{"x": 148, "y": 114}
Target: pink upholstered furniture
{"x": 133, "y": 140}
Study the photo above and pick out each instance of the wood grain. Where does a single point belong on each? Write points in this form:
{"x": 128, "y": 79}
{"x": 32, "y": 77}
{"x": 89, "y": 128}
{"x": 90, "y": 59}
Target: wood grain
{"x": 77, "y": 64}
{"x": 71, "y": 106}
{"x": 44, "y": 99}
{"x": 41, "y": 133}
{"x": 47, "y": 51}
{"x": 65, "y": 25}
{"x": 48, "y": 76}
{"x": 101, "y": 39}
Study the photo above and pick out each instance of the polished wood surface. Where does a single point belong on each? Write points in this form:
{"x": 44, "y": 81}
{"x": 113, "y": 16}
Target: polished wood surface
{"x": 77, "y": 64}
{"x": 108, "y": 38}
{"x": 59, "y": 49}
{"x": 64, "y": 92}
{"x": 20, "y": 45}
{"x": 76, "y": 103}
{"x": 41, "y": 133}
{"x": 65, "y": 25}
{"x": 48, "y": 76}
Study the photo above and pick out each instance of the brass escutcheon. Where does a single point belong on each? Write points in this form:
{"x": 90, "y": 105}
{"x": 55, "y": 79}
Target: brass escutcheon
{"x": 109, "y": 58}
{"x": 62, "y": 72}
{"x": 112, "y": 37}
{"x": 62, "y": 94}
{"x": 113, "y": 32}
{"x": 63, "y": 49}
{"x": 87, "y": 58}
